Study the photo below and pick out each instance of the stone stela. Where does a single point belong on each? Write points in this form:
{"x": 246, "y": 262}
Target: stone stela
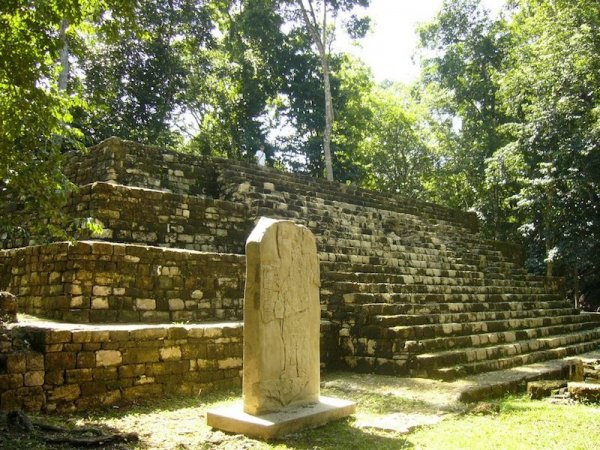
{"x": 281, "y": 368}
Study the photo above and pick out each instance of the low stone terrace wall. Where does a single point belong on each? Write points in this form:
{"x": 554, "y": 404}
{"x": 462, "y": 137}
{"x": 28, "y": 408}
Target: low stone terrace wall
{"x": 124, "y": 162}
{"x": 72, "y": 368}
{"x": 133, "y": 164}
{"x": 145, "y": 216}
{"x": 101, "y": 282}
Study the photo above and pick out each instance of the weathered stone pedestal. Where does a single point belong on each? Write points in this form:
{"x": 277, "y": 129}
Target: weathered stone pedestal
{"x": 281, "y": 385}
{"x": 288, "y": 420}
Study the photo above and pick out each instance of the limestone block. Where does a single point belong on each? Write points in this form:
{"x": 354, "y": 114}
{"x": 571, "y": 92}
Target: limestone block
{"x": 148, "y": 334}
{"x": 67, "y": 392}
{"x": 544, "y": 388}
{"x": 76, "y": 302}
{"x": 99, "y": 303}
{"x": 8, "y": 307}
{"x": 60, "y": 361}
{"x": 585, "y": 391}
{"x": 170, "y": 353}
{"x": 281, "y": 318}
{"x": 78, "y": 376}
{"x": 16, "y": 363}
{"x": 176, "y": 304}
{"x": 10, "y": 381}
{"x": 35, "y": 361}
{"x": 230, "y": 363}
{"x": 145, "y": 304}
{"x": 213, "y": 332}
{"x": 105, "y": 358}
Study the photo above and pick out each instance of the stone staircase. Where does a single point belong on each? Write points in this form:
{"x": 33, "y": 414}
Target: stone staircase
{"x": 411, "y": 287}
{"x": 407, "y": 287}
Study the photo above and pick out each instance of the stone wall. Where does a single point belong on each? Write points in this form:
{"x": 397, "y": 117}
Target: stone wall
{"x": 92, "y": 281}
{"x": 145, "y": 216}
{"x": 78, "y": 368}
{"x": 128, "y": 163}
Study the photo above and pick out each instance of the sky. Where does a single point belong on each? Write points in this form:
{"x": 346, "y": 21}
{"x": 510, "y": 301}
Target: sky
{"x": 392, "y": 41}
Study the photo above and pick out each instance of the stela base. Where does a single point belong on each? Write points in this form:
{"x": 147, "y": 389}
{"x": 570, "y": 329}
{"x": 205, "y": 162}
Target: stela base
{"x": 234, "y": 420}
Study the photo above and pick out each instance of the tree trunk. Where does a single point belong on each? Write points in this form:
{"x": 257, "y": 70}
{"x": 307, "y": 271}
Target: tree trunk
{"x": 63, "y": 77}
{"x": 328, "y": 118}
{"x": 319, "y": 37}
{"x": 549, "y": 263}
{"x": 576, "y": 284}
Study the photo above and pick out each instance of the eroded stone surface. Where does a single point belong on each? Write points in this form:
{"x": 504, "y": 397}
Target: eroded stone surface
{"x": 281, "y": 318}
{"x": 8, "y": 307}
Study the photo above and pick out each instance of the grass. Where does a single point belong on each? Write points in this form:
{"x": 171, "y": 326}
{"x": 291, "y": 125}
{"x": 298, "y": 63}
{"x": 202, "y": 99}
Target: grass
{"x": 520, "y": 424}
{"x": 180, "y": 423}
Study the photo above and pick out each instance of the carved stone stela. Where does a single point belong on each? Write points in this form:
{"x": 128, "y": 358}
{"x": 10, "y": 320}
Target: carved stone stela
{"x": 281, "y": 318}
{"x": 281, "y": 337}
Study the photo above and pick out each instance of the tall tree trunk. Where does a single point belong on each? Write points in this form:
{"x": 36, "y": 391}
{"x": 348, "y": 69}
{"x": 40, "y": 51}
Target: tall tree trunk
{"x": 63, "y": 77}
{"x": 319, "y": 37}
{"x": 576, "y": 284}
{"x": 328, "y": 119}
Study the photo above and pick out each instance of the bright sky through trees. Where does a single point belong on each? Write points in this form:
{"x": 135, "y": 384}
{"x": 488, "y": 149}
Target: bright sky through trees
{"x": 389, "y": 47}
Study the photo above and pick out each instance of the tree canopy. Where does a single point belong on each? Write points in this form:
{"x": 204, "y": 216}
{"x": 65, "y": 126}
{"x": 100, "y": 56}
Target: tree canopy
{"x": 503, "y": 121}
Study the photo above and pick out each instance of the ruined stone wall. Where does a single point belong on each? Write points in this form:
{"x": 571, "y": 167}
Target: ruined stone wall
{"x": 128, "y": 163}
{"x": 145, "y": 216}
{"x": 132, "y": 164}
{"x": 76, "y": 369}
{"x": 103, "y": 282}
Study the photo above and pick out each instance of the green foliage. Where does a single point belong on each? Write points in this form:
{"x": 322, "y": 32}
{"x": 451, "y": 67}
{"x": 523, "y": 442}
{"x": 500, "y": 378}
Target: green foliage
{"x": 136, "y": 73}
{"x": 505, "y": 120}
{"x": 463, "y": 49}
{"x": 551, "y": 90}
{"x": 245, "y": 71}
{"x": 34, "y": 122}
{"x": 394, "y": 147}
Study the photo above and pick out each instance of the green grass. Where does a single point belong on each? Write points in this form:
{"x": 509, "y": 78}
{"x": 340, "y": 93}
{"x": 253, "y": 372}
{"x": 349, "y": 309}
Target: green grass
{"x": 180, "y": 423}
{"x": 521, "y": 424}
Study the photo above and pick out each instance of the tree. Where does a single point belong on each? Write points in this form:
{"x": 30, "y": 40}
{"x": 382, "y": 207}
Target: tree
{"x": 243, "y": 73}
{"x": 551, "y": 91}
{"x": 33, "y": 112}
{"x": 317, "y": 16}
{"x": 394, "y": 147}
{"x": 463, "y": 50}
{"x": 136, "y": 73}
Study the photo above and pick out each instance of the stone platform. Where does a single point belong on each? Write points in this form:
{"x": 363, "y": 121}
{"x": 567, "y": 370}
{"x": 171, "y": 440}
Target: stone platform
{"x": 406, "y": 287}
{"x": 267, "y": 426}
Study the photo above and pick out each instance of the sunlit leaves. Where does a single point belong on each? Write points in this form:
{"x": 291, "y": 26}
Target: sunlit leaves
{"x": 551, "y": 91}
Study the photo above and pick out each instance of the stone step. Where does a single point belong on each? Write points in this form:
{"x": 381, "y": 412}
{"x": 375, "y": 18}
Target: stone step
{"x": 401, "y": 272}
{"x": 369, "y": 229}
{"x": 429, "y": 297}
{"x": 382, "y": 277}
{"x": 484, "y": 339}
{"x": 415, "y": 253}
{"x": 374, "y": 242}
{"x": 467, "y": 317}
{"x": 483, "y": 357}
{"x": 331, "y": 262}
{"x": 389, "y": 348}
{"x": 418, "y": 285}
{"x": 426, "y": 308}
{"x": 402, "y": 364}
{"x": 453, "y": 372}
{"x": 442, "y": 330}
{"x": 271, "y": 180}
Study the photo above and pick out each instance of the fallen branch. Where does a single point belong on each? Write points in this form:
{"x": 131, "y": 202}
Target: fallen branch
{"x": 75, "y": 437}
{"x": 91, "y": 441}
